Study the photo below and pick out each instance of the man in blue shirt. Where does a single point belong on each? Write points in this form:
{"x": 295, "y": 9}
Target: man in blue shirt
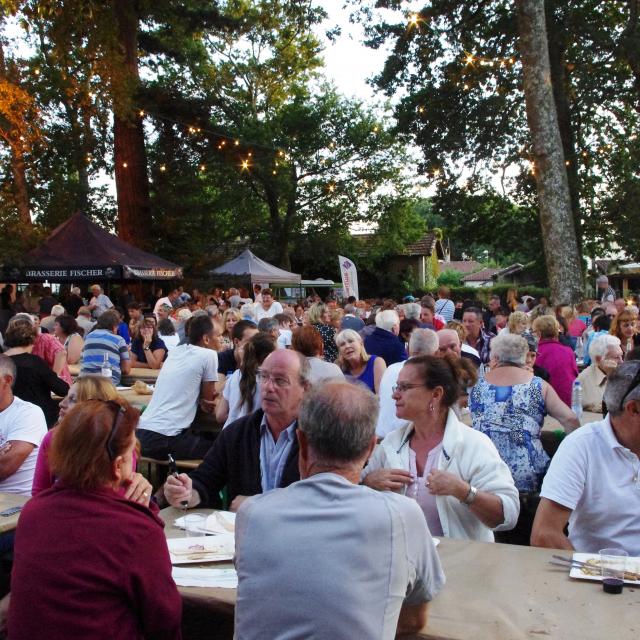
{"x": 258, "y": 452}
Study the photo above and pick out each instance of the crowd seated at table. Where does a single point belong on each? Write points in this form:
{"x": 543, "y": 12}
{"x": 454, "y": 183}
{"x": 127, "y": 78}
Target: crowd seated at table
{"x": 301, "y": 436}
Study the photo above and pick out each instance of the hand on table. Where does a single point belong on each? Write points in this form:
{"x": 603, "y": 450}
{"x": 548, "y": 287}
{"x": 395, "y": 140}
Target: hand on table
{"x": 236, "y": 502}
{"x": 443, "y": 483}
{"x": 388, "y": 479}
{"x": 139, "y": 489}
{"x": 178, "y": 489}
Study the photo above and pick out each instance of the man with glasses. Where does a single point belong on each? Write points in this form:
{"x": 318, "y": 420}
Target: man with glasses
{"x": 593, "y": 482}
{"x": 258, "y": 452}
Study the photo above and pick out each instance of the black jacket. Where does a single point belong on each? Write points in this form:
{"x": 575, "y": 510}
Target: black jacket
{"x": 234, "y": 461}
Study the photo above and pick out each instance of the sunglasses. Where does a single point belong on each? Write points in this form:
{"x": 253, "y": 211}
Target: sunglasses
{"x": 119, "y": 410}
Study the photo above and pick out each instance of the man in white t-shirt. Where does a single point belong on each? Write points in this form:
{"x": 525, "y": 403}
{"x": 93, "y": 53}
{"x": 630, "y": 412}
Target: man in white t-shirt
{"x": 187, "y": 378}
{"x": 423, "y": 342}
{"x": 100, "y": 301}
{"x": 593, "y": 482}
{"x": 22, "y": 427}
{"x": 268, "y": 307}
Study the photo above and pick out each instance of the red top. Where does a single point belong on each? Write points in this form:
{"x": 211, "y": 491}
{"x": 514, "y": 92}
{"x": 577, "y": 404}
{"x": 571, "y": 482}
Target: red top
{"x": 47, "y": 347}
{"x": 91, "y": 565}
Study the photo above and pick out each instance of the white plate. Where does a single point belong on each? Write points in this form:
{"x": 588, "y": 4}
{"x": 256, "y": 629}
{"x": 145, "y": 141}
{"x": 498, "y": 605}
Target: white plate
{"x": 210, "y": 549}
{"x": 223, "y": 522}
{"x": 633, "y": 565}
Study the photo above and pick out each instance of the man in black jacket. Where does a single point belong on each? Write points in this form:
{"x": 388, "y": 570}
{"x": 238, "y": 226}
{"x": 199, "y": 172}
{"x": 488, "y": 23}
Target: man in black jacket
{"x": 258, "y": 452}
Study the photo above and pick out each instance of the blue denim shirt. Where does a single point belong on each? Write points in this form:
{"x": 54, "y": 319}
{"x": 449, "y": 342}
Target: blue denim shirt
{"x": 273, "y": 455}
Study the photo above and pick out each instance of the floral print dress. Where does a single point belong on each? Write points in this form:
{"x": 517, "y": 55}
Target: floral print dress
{"x": 512, "y": 417}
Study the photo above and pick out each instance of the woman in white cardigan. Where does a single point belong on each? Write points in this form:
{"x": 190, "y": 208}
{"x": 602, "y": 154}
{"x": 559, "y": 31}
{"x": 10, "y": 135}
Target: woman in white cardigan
{"x": 454, "y": 473}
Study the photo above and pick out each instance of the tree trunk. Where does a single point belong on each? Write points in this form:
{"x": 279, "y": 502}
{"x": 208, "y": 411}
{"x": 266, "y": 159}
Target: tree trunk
{"x": 630, "y": 45}
{"x": 20, "y": 191}
{"x": 18, "y": 166}
{"x": 132, "y": 186}
{"x": 557, "y": 35}
{"x": 558, "y": 231}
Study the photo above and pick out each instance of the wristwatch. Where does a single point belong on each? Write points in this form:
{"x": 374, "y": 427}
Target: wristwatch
{"x": 146, "y": 348}
{"x": 471, "y": 496}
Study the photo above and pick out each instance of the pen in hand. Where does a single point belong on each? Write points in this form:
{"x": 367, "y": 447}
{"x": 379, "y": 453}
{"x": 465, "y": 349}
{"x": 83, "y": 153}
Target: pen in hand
{"x": 173, "y": 470}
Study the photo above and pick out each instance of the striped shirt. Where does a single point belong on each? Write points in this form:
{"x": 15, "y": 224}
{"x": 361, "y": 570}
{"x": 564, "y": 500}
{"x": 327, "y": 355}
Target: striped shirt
{"x": 96, "y": 344}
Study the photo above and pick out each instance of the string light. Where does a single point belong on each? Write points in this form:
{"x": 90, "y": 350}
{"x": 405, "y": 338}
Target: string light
{"x": 202, "y": 167}
{"x": 245, "y": 165}
{"x": 332, "y": 188}
{"x": 163, "y": 167}
{"x": 414, "y": 19}
{"x": 141, "y": 113}
{"x": 125, "y": 165}
{"x": 36, "y": 72}
{"x": 470, "y": 58}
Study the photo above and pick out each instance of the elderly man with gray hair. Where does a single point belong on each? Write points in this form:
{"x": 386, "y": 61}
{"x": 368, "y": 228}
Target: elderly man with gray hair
{"x": 606, "y": 354}
{"x": 423, "y": 342}
{"x": 384, "y": 341}
{"x": 593, "y": 482}
{"x": 345, "y": 561}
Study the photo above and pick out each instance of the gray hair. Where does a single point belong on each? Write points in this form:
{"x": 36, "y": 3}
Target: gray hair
{"x": 600, "y": 345}
{"x": 268, "y": 324}
{"x": 339, "y": 420}
{"x": 412, "y": 311}
{"x": 22, "y": 317}
{"x": 75, "y": 290}
{"x": 509, "y": 348}
{"x": 212, "y": 310}
{"x": 387, "y": 319}
{"x": 7, "y": 367}
{"x": 615, "y": 393}
{"x": 350, "y": 308}
{"x": 305, "y": 369}
{"x": 57, "y": 310}
{"x": 423, "y": 342}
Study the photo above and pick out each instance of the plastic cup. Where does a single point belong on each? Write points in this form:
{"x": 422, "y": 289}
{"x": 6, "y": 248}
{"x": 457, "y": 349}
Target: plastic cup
{"x": 613, "y": 563}
{"x": 194, "y": 524}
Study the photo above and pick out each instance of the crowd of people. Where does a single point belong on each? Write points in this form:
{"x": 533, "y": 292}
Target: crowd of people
{"x": 341, "y": 426}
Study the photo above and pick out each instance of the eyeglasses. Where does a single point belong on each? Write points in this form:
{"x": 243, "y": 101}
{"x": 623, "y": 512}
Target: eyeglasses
{"x": 120, "y": 410}
{"x": 401, "y": 387}
{"x": 278, "y": 381}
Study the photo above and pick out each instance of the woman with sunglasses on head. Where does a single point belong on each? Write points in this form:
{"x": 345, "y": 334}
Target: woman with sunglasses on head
{"x": 88, "y": 563}
{"x": 137, "y": 488}
{"x": 454, "y": 473}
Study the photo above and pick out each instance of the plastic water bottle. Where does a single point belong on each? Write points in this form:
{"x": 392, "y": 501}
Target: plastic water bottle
{"x": 576, "y": 398}
{"x": 579, "y": 349}
{"x": 106, "y": 367}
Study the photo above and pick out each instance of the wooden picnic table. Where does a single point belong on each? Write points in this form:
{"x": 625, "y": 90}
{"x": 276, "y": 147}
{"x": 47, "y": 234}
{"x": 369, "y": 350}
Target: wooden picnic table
{"x": 493, "y": 592}
{"x": 7, "y": 500}
{"x": 137, "y": 373}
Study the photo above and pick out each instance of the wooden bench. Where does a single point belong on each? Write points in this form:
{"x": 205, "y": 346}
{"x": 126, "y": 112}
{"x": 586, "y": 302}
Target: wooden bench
{"x": 160, "y": 468}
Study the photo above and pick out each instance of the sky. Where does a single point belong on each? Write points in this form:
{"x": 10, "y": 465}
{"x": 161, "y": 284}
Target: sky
{"x": 349, "y": 62}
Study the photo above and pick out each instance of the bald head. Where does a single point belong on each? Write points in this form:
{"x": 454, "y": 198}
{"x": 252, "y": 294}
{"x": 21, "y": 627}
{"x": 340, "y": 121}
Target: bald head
{"x": 449, "y": 342}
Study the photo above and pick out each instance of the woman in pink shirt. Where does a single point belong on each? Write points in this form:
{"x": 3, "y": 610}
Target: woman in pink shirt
{"x": 137, "y": 489}
{"x": 558, "y": 359}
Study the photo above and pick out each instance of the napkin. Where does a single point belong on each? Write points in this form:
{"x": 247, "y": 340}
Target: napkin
{"x": 219, "y": 578}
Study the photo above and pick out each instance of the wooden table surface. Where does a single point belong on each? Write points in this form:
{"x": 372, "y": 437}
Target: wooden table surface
{"x": 9, "y": 523}
{"x": 494, "y": 592}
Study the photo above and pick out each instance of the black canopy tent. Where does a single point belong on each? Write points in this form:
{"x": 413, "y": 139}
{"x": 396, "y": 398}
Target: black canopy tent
{"x": 80, "y": 250}
{"x": 248, "y": 266}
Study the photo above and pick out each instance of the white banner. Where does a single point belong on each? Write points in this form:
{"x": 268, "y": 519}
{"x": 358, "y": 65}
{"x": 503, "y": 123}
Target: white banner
{"x": 349, "y": 277}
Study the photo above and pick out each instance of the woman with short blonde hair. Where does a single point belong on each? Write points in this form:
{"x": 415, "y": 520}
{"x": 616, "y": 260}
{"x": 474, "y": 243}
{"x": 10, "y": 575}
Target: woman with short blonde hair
{"x": 356, "y": 364}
